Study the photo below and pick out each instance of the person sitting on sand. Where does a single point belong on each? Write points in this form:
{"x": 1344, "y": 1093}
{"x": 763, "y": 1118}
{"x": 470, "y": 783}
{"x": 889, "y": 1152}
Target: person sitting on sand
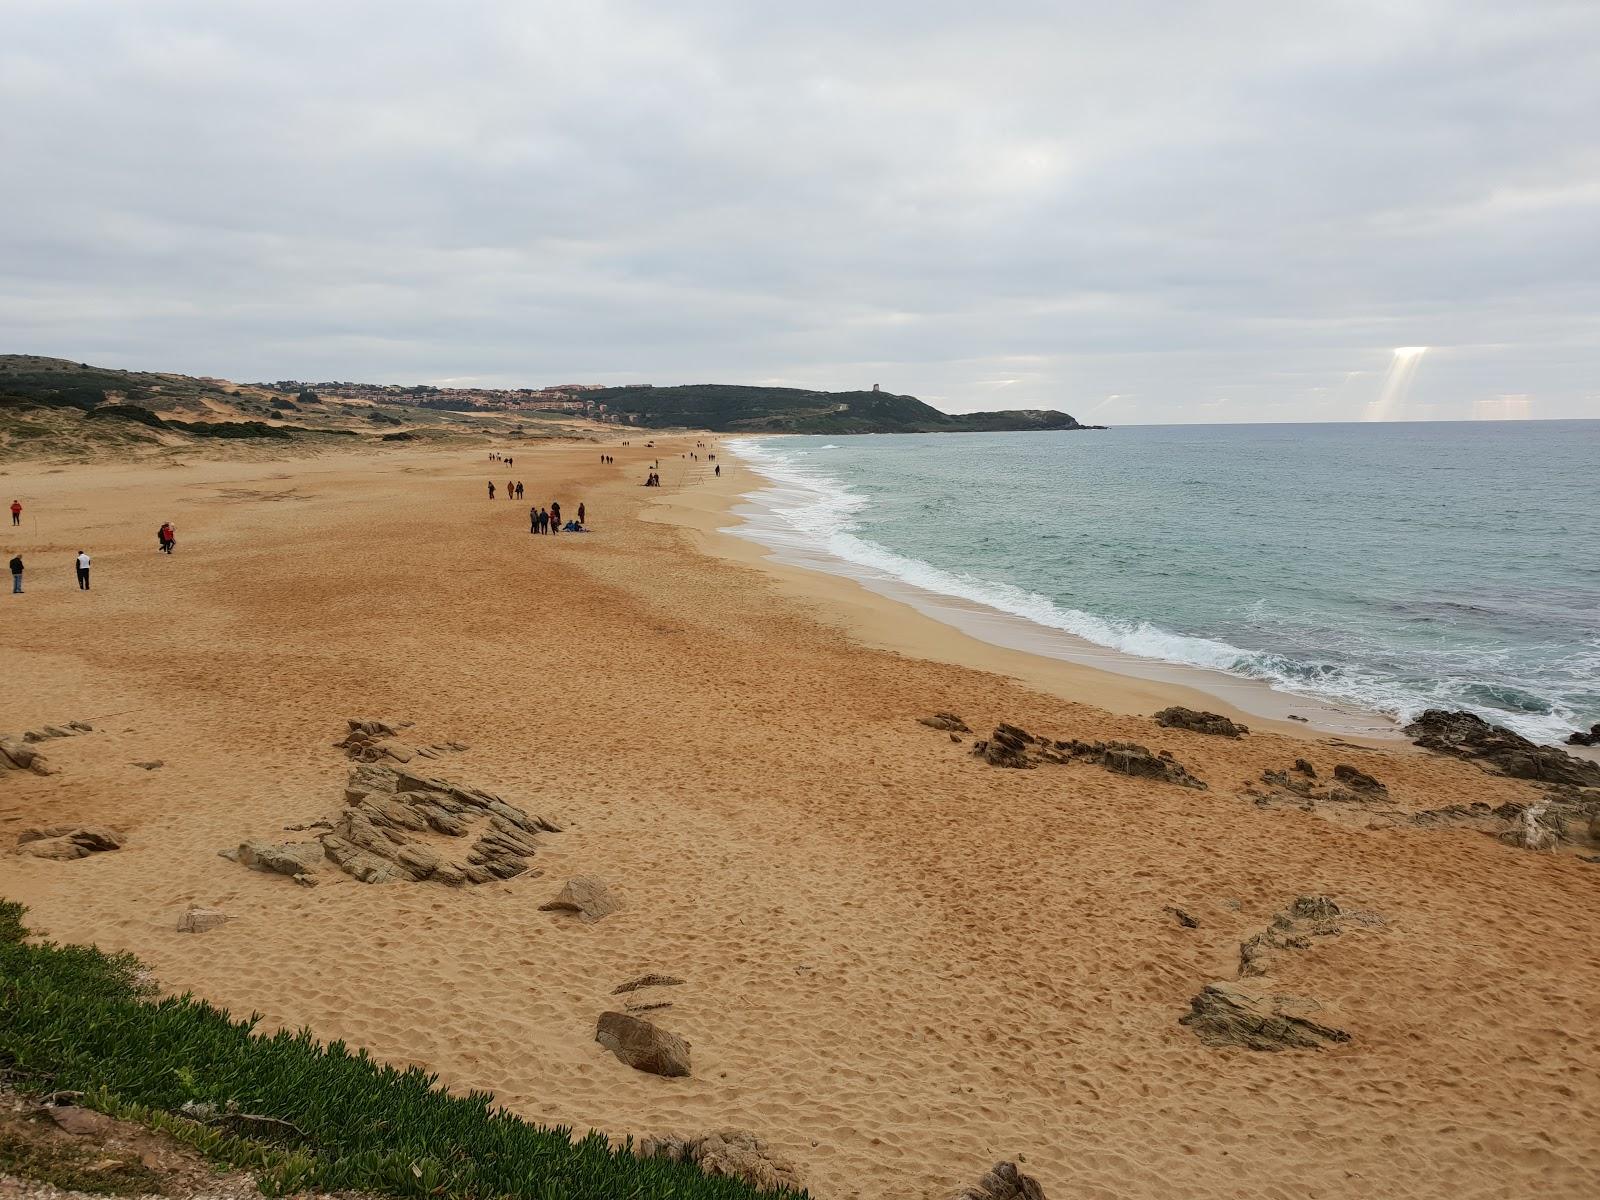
{"x": 491, "y": 489}
{"x": 16, "y": 575}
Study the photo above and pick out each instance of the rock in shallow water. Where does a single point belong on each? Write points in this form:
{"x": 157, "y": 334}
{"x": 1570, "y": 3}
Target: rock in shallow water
{"x": 1465, "y": 735}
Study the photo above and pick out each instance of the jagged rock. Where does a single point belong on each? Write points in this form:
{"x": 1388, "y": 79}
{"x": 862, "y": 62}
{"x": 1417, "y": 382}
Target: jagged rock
{"x": 1535, "y": 828}
{"x": 1234, "y": 1014}
{"x": 643, "y": 981}
{"x": 1288, "y": 930}
{"x": 1467, "y": 736}
{"x": 1305, "y": 768}
{"x": 1003, "y": 1181}
{"x": 1130, "y": 758}
{"x": 199, "y": 920}
{"x": 17, "y": 754}
{"x": 1359, "y": 780}
{"x": 585, "y": 895}
{"x": 946, "y": 721}
{"x": 152, "y": 765}
{"x": 643, "y": 1045}
{"x": 65, "y": 843}
{"x": 1181, "y": 917}
{"x": 1580, "y": 738}
{"x": 1313, "y": 908}
{"x": 1178, "y": 717}
{"x": 731, "y": 1153}
{"x": 282, "y": 858}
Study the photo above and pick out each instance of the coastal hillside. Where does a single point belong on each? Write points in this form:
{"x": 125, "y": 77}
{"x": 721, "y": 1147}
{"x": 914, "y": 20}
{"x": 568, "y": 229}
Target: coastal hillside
{"x": 732, "y": 408}
{"x": 60, "y": 409}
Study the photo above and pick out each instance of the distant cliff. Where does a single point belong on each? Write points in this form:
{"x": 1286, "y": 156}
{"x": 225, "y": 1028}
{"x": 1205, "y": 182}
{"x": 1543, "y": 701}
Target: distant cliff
{"x": 732, "y": 408}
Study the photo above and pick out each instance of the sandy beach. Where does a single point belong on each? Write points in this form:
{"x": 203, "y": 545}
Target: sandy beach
{"x": 901, "y": 963}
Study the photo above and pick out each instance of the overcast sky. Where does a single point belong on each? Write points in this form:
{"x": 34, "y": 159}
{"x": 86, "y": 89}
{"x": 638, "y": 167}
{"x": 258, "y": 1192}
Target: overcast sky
{"x": 1134, "y": 212}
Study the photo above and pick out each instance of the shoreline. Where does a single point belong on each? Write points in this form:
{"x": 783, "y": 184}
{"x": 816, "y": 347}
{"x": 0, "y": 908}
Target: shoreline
{"x": 890, "y": 614}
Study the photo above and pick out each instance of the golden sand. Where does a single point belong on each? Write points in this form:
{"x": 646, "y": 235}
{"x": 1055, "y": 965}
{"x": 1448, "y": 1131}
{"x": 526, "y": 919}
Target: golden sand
{"x": 902, "y": 964}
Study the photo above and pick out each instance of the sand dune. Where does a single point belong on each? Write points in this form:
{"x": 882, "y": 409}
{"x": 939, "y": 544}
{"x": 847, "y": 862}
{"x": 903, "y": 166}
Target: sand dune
{"x": 900, "y": 963}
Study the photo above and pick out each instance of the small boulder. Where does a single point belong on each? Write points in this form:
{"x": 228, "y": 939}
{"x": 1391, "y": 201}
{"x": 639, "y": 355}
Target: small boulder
{"x": 946, "y": 721}
{"x": 282, "y": 858}
{"x": 64, "y": 843}
{"x": 590, "y": 898}
{"x": 643, "y": 1045}
{"x": 1357, "y": 779}
{"x": 1236, "y": 1014}
{"x": 1178, "y": 717}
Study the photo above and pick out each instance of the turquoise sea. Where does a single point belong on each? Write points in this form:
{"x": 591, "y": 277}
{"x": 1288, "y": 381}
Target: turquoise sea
{"x": 1387, "y": 567}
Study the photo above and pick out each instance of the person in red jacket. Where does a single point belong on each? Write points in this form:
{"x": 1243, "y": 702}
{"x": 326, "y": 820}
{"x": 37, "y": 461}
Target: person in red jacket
{"x": 16, "y": 512}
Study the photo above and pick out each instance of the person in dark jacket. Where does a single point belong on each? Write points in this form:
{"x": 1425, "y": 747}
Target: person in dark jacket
{"x": 16, "y": 575}
{"x": 82, "y": 563}
{"x": 555, "y": 516}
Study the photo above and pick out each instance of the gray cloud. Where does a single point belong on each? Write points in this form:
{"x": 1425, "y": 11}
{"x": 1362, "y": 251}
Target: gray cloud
{"x": 1147, "y": 212}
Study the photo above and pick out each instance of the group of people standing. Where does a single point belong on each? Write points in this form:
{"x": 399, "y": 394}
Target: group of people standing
{"x": 513, "y": 490}
{"x": 493, "y": 457}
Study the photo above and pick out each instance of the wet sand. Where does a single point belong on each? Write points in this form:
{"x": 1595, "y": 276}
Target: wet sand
{"x": 901, "y": 963}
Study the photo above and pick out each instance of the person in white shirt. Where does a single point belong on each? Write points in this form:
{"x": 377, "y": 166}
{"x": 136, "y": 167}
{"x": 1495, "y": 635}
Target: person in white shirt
{"x": 83, "y": 571}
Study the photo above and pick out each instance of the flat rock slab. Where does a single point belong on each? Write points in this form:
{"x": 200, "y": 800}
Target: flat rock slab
{"x": 651, "y": 979}
{"x": 1237, "y": 1014}
{"x": 643, "y": 1045}
{"x": 67, "y": 842}
{"x": 590, "y": 898}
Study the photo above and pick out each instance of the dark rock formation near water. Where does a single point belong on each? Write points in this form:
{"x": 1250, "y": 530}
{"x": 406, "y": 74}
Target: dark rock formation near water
{"x": 1467, "y": 736}
{"x": 1579, "y": 738}
{"x": 1178, "y": 717}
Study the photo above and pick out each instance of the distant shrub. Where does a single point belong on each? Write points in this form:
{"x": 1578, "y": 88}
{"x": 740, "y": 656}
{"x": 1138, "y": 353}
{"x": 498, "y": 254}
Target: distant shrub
{"x": 128, "y": 412}
{"x": 307, "y": 396}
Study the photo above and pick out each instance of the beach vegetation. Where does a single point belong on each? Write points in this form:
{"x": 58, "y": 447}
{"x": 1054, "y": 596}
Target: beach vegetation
{"x": 300, "y": 1113}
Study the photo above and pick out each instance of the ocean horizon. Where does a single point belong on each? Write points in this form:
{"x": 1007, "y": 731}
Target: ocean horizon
{"x": 1386, "y": 567}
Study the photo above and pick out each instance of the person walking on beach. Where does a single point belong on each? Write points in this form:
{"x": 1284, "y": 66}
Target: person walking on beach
{"x": 83, "y": 570}
{"x": 511, "y": 490}
{"x": 16, "y": 575}
{"x": 555, "y": 516}
{"x": 16, "y": 512}
{"x": 491, "y": 489}
{"x": 533, "y": 519}
{"x": 719, "y": 470}
{"x": 166, "y": 538}
{"x": 580, "y": 512}
{"x": 544, "y": 520}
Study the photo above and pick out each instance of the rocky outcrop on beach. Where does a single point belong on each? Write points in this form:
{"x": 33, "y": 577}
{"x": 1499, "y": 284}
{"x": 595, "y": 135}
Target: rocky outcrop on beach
{"x": 1579, "y": 737}
{"x": 1003, "y": 1181}
{"x": 21, "y": 752}
{"x": 1291, "y": 929}
{"x": 1303, "y": 788}
{"x": 198, "y": 920}
{"x": 1014, "y": 747}
{"x": 949, "y": 722}
{"x": 65, "y": 843}
{"x": 729, "y": 1153}
{"x": 642, "y": 1044}
{"x": 1235, "y": 1013}
{"x": 372, "y": 741}
{"x": 394, "y": 828}
{"x": 1178, "y": 717}
{"x": 1465, "y": 735}
{"x": 1251, "y": 1016}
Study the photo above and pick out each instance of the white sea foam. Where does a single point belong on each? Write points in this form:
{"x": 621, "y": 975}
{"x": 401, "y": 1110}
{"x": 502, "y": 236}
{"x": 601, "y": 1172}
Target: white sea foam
{"x": 808, "y": 515}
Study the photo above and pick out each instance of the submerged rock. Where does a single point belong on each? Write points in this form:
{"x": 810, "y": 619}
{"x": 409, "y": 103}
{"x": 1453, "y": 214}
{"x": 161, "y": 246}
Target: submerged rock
{"x": 1178, "y": 717}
